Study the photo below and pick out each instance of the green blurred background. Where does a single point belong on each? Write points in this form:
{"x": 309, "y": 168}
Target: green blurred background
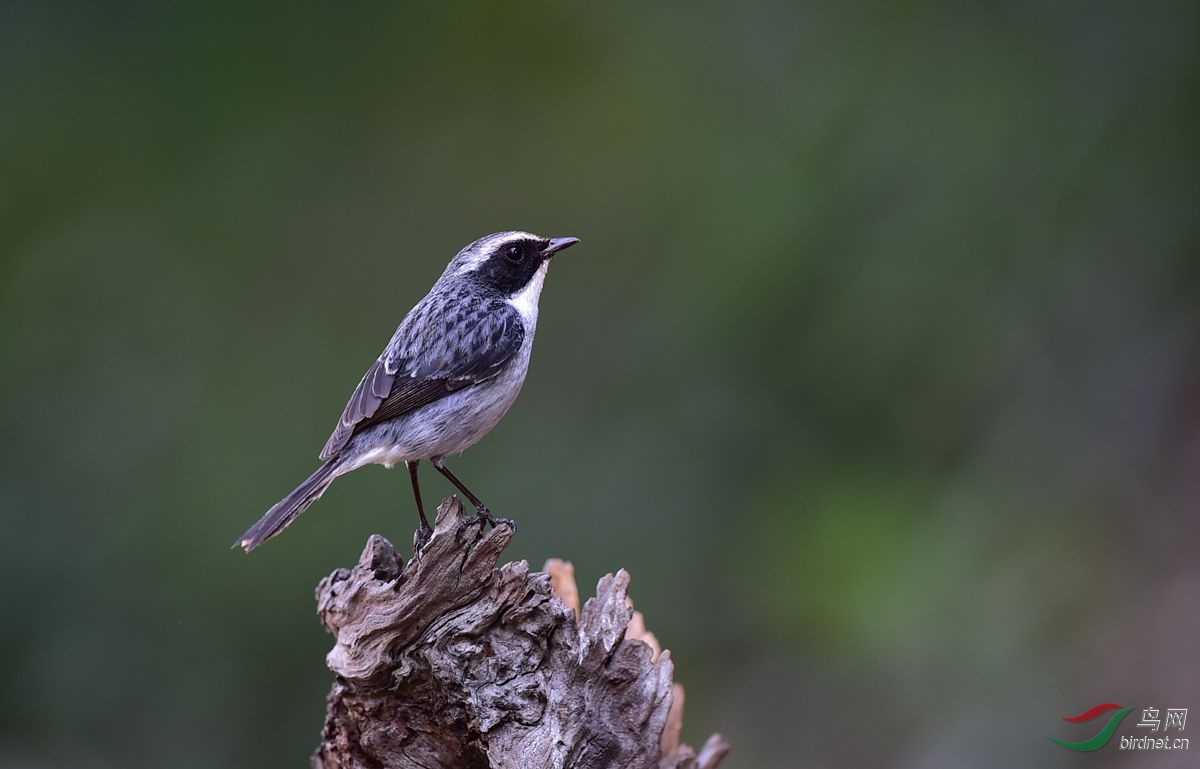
{"x": 877, "y": 367}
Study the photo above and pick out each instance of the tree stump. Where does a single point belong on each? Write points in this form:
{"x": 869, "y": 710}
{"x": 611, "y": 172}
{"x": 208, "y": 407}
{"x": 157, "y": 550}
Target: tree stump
{"x": 454, "y": 661}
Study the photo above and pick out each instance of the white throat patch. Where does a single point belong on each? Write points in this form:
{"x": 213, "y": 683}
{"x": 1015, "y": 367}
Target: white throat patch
{"x": 525, "y": 301}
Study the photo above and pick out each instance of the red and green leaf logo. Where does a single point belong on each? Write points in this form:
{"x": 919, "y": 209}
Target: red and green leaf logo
{"x": 1101, "y": 739}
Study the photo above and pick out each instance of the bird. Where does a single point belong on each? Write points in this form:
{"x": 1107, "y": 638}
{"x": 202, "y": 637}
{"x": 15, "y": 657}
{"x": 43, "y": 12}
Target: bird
{"x": 451, "y": 371}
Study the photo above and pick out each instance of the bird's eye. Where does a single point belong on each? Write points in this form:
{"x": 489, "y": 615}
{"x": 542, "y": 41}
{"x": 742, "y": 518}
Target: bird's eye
{"x": 513, "y": 254}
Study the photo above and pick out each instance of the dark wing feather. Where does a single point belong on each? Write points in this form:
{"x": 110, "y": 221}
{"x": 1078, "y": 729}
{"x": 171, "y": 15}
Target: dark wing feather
{"x": 412, "y": 395}
{"x": 375, "y": 386}
{"x": 419, "y": 368}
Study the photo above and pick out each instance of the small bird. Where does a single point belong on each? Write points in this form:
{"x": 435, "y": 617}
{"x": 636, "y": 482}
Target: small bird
{"x": 451, "y": 371}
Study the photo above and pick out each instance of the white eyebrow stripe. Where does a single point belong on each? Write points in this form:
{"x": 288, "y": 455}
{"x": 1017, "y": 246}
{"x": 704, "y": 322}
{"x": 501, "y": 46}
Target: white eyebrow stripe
{"x": 472, "y": 263}
{"x": 477, "y": 254}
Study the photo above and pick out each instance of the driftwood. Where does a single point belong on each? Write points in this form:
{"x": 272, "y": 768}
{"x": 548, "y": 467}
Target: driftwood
{"x": 453, "y": 661}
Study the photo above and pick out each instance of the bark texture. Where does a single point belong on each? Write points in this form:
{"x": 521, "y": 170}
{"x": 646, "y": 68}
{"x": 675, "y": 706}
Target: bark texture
{"x": 454, "y": 661}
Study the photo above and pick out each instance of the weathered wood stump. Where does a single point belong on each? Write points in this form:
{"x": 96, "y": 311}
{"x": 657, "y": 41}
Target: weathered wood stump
{"x": 453, "y": 661}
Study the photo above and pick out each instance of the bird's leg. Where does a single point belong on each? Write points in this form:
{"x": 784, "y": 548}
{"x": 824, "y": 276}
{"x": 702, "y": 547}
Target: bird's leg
{"x": 481, "y": 510}
{"x": 426, "y": 530}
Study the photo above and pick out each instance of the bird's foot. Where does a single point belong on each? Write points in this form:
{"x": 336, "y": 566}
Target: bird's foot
{"x": 421, "y": 539}
{"x": 485, "y": 515}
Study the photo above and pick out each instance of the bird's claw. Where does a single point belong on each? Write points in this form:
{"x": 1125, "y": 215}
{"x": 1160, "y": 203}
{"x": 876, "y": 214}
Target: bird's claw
{"x": 485, "y": 515}
{"x": 421, "y": 539}
{"x": 509, "y": 522}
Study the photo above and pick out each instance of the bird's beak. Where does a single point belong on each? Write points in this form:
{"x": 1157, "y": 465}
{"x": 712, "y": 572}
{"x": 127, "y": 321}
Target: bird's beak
{"x": 558, "y": 244}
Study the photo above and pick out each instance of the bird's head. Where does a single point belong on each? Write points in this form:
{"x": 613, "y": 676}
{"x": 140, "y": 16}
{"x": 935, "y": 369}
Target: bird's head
{"x": 507, "y": 262}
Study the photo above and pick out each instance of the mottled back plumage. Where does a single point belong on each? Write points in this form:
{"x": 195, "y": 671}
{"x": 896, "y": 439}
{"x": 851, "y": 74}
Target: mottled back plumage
{"x": 446, "y": 343}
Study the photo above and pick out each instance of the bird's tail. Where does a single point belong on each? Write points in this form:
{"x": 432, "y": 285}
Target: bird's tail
{"x": 289, "y": 508}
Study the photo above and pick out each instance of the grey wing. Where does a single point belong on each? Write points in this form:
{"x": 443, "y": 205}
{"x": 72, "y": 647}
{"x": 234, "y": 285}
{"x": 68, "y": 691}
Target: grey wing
{"x": 374, "y": 388}
{"x": 418, "y": 369}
